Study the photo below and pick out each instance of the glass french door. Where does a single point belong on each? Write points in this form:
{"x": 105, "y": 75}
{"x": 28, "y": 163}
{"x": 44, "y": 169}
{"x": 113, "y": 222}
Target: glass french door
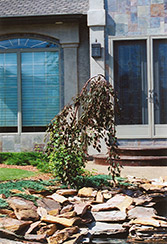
{"x": 140, "y": 80}
{"x": 159, "y": 92}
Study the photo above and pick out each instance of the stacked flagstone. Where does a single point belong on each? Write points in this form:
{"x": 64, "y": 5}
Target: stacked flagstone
{"x": 70, "y": 216}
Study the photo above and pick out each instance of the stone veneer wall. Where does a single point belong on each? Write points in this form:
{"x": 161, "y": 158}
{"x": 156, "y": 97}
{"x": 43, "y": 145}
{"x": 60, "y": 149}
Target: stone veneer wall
{"x": 23, "y": 142}
{"x": 136, "y": 17}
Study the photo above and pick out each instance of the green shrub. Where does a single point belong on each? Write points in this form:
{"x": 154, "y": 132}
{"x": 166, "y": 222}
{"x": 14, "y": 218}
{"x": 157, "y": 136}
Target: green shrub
{"x": 5, "y": 188}
{"x": 37, "y": 159}
{"x": 99, "y": 181}
{"x": 3, "y": 203}
{"x": 61, "y": 160}
{"x": 24, "y": 184}
{"x": 95, "y": 181}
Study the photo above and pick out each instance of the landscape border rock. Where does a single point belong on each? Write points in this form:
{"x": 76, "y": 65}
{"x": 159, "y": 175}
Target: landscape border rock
{"x": 69, "y": 215}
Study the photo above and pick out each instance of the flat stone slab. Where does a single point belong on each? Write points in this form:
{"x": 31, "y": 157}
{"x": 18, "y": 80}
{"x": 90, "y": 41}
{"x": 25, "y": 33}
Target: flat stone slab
{"x": 142, "y": 200}
{"x": 109, "y": 216}
{"x": 48, "y": 204}
{"x": 85, "y": 192}
{"x": 154, "y": 188}
{"x": 20, "y": 203}
{"x": 149, "y": 221}
{"x": 58, "y": 198}
{"x": 14, "y": 225}
{"x": 141, "y": 212}
{"x": 67, "y": 209}
{"x": 66, "y": 192}
{"x": 6, "y": 241}
{"x": 120, "y": 201}
{"x": 100, "y": 228}
{"x": 81, "y": 208}
{"x": 102, "y": 207}
{"x": 62, "y": 235}
{"x": 63, "y": 221}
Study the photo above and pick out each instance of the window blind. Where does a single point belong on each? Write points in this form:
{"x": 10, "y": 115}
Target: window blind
{"x": 40, "y": 87}
{"x": 8, "y": 89}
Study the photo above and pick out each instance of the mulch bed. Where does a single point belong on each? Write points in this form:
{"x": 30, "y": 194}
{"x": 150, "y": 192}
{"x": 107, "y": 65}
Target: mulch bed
{"x": 27, "y": 167}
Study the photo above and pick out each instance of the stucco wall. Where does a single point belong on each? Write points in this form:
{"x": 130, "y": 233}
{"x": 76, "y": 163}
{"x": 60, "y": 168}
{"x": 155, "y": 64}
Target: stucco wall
{"x": 83, "y": 56}
{"x": 65, "y": 32}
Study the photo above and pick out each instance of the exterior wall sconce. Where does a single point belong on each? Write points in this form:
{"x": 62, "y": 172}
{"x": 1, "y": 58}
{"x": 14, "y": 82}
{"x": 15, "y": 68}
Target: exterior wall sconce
{"x": 96, "y": 50}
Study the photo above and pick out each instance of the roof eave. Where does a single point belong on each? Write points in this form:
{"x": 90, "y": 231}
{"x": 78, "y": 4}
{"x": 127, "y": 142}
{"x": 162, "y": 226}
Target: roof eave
{"x": 43, "y": 18}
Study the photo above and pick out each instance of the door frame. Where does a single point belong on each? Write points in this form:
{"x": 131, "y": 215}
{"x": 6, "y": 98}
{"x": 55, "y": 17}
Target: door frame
{"x": 157, "y": 129}
{"x": 151, "y": 130}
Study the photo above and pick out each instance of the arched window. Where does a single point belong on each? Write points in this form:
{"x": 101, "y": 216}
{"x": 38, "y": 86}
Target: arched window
{"x": 29, "y": 84}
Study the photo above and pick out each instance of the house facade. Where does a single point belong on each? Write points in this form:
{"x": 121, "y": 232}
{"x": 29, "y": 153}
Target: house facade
{"x": 44, "y": 62}
{"x": 46, "y": 57}
{"x": 133, "y": 38}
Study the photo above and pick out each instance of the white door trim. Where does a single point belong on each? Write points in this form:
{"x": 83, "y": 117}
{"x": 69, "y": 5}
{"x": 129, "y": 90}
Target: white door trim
{"x": 139, "y": 131}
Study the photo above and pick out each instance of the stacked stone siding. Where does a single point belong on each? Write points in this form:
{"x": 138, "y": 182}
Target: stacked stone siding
{"x": 136, "y": 17}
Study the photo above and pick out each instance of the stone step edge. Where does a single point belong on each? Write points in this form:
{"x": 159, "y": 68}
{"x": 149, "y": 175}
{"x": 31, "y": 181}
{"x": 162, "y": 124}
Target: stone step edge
{"x": 134, "y": 160}
{"x": 143, "y": 158}
{"x": 104, "y": 156}
{"x": 153, "y": 148}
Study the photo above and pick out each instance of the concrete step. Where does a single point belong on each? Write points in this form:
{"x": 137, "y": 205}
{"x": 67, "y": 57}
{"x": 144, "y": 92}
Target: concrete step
{"x": 142, "y": 151}
{"x": 153, "y": 156}
{"x": 143, "y": 160}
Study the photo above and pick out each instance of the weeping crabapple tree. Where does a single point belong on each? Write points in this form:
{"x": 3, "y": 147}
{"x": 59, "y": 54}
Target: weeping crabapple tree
{"x": 88, "y": 121}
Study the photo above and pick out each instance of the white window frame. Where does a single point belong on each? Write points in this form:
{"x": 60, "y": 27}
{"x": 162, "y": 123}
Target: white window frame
{"x": 19, "y": 86}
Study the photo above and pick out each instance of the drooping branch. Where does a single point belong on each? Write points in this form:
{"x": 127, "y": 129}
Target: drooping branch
{"x": 97, "y": 102}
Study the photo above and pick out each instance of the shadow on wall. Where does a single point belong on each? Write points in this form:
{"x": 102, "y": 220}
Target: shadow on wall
{"x": 110, "y": 23}
{"x": 110, "y": 31}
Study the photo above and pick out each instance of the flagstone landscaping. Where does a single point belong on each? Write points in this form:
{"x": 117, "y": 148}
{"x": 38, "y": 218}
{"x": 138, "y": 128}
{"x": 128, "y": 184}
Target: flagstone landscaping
{"x": 71, "y": 216}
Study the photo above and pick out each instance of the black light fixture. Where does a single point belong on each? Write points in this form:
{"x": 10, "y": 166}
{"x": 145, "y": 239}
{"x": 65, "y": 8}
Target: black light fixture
{"x": 96, "y": 50}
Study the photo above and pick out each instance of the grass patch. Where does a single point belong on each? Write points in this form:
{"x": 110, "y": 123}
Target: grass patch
{"x": 13, "y": 174}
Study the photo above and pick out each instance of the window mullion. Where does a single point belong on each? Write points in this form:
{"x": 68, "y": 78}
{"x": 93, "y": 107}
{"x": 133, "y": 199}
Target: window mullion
{"x": 19, "y": 96}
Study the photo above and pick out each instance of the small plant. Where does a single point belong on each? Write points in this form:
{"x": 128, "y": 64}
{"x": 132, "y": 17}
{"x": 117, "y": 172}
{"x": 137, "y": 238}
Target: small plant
{"x": 24, "y": 184}
{"x": 95, "y": 181}
{"x": 37, "y": 159}
{"x": 21, "y": 185}
{"x": 99, "y": 181}
{"x": 3, "y": 203}
{"x": 87, "y": 121}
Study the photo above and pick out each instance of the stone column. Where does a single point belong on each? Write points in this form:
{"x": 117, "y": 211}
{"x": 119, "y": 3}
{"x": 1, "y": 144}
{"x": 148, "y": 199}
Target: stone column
{"x": 70, "y": 71}
{"x": 96, "y": 23}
